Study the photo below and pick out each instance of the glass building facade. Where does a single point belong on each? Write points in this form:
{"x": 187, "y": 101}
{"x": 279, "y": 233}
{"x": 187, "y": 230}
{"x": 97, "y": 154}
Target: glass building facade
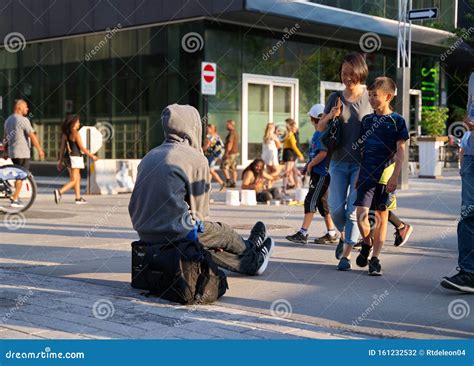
{"x": 126, "y": 77}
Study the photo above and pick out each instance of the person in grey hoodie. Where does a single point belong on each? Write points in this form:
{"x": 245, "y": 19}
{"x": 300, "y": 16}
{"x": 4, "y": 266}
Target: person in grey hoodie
{"x": 170, "y": 200}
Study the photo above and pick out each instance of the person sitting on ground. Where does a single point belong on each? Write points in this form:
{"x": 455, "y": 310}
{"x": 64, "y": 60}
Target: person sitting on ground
{"x": 179, "y": 208}
{"x": 255, "y": 178}
{"x": 316, "y": 199}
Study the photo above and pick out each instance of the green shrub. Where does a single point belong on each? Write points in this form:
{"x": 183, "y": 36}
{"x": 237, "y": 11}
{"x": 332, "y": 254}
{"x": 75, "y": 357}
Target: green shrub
{"x": 433, "y": 121}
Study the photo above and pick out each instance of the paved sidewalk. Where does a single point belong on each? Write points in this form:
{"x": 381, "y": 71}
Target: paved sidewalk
{"x": 65, "y": 273}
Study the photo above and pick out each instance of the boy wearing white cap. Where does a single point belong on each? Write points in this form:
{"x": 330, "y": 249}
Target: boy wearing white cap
{"x": 316, "y": 199}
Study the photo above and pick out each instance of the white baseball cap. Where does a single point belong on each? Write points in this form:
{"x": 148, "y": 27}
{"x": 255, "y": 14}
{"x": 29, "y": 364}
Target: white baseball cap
{"x": 316, "y": 110}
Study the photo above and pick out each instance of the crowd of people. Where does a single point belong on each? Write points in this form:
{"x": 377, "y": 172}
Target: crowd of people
{"x": 354, "y": 162}
{"x": 352, "y": 182}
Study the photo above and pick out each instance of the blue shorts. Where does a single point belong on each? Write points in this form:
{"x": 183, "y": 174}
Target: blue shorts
{"x": 212, "y": 160}
{"x": 373, "y": 195}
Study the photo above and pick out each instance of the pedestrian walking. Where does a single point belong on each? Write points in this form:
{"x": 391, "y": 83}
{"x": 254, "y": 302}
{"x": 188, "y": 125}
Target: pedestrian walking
{"x": 463, "y": 281}
{"x": 214, "y": 150}
{"x": 18, "y": 138}
{"x": 383, "y": 137}
{"x": 71, "y": 155}
{"x": 231, "y": 155}
{"x": 291, "y": 153}
{"x": 345, "y": 159}
{"x": 316, "y": 199}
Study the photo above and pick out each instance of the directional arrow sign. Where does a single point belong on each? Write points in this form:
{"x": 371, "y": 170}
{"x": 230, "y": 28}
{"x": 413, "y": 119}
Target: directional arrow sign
{"x": 420, "y": 14}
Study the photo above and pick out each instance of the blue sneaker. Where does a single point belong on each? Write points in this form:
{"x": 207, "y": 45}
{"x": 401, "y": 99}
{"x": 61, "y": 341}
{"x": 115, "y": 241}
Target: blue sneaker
{"x": 339, "y": 249}
{"x": 344, "y": 264}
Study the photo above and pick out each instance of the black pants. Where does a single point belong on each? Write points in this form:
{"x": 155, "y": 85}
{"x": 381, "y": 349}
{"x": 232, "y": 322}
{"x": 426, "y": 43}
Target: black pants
{"x": 25, "y": 163}
{"x": 317, "y": 197}
{"x": 268, "y": 195}
{"x": 236, "y": 255}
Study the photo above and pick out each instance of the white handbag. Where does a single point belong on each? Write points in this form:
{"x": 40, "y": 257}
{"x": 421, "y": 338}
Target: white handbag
{"x": 77, "y": 162}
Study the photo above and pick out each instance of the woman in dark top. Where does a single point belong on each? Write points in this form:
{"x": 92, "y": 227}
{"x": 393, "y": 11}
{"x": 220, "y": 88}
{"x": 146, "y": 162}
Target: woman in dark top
{"x": 345, "y": 159}
{"x": 71, "y": 155}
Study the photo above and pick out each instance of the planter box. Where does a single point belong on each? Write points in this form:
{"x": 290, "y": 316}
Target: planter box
{"x": 429, "y": 153}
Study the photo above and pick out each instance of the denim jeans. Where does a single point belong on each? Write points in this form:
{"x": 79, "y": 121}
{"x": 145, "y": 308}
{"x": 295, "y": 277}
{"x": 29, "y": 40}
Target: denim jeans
{"x": 342, "y": 196}
{"x": 466, "y": 223}
{"x": 236, "y": 255}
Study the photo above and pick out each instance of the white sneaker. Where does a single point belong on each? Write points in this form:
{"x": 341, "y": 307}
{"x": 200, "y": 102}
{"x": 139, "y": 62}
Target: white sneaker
{"x": 57, "y": 196}
{"x": 17, "y": 204}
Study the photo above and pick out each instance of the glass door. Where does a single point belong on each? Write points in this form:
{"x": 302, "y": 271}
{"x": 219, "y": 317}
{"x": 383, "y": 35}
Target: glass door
{"x": 265, "y": 99}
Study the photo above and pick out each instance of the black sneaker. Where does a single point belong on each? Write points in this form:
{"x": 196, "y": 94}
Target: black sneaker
{"x": 462, "y": 281}
{"x": 266, "y": 252}
{"x": 257, "y": 234}
{"x": 339, "y": 249}
{"x": 363, "y": 257}
{"x": 328, "y": 239}
{"x": 298, "y": 238}
{"x": 375, "y": 269}
{"x": 80, "y": 201}
{"x": 402, "y": 235}
{"x": 358, "y": 245}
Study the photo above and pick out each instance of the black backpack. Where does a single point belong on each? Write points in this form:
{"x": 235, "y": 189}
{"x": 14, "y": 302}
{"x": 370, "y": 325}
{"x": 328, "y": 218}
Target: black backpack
{"x": 181, "y": 272}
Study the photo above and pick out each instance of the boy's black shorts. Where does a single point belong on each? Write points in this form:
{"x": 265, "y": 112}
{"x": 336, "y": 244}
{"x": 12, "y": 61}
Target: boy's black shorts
{"x": 373, "y": 195}
{"x": 317, "y": 197}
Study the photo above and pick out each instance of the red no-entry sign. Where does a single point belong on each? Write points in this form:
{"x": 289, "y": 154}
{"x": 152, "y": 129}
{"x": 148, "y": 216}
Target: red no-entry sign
{"x": 208, "y": 78}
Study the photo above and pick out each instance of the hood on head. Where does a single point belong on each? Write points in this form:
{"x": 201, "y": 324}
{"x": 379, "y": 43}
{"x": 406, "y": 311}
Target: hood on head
{"x": 182, "y": 122}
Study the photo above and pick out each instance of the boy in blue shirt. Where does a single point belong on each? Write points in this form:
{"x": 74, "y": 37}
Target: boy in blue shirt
{"x": 463, "y": 281}
{"x": 317, "y": 197}
{"x": 383, "y": 136}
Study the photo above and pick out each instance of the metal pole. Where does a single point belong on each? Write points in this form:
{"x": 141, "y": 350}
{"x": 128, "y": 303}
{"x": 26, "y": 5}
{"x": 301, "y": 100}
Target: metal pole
{"x": 88, "y": 146}
{"x": 403, "y": 77}
{"x": 205, "y": 116}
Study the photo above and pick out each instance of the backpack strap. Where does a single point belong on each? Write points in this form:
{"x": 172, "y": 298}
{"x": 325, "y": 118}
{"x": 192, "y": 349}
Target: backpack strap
{"x": 333, "y": 125}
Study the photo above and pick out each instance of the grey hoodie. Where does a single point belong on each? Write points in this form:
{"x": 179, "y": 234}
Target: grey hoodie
{"x": 172, "y": 187}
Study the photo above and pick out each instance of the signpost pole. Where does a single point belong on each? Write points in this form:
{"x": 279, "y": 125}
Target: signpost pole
{"x": 88, "y": 145}
{"x": 403, "y": 78}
